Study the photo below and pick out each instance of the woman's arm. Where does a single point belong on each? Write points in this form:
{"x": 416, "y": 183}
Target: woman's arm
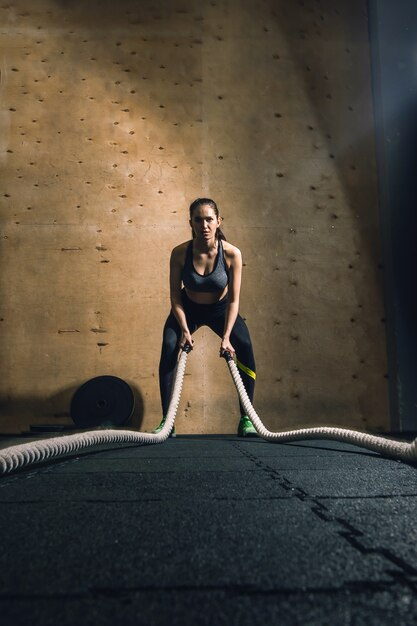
{"x": 175, "y": 269}
{"x": 235, "y": 280}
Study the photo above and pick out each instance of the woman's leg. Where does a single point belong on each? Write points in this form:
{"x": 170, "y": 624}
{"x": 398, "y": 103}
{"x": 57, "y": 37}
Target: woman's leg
{"x": 168, "y": 361}
{"x": 241, "y": 341}
{"x": 245, "y": 359}
{"x": 169, "y": 355}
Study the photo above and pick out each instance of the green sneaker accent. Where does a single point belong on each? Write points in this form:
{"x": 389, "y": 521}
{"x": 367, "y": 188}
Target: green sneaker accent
{"x": 160, "y": 427}
{"x": 246, "y": 428}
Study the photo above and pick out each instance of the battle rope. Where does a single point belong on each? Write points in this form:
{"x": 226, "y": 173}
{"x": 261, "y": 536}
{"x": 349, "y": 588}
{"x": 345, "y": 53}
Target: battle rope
{"x": 386, "y": 447}
{"x": 16, "y": 457}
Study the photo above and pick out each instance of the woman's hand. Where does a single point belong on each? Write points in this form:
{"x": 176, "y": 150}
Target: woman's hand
{"x": 227, "y": 346}
{"x": 186, "y": 338}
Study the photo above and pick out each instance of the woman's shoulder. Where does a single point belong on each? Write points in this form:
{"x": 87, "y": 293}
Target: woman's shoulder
{"x": 181, "y": 247}
{"x": 231, "y": 251}
{"x": 178, "y": 253}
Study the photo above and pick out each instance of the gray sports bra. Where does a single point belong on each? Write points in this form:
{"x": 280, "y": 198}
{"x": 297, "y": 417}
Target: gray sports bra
{"x": 215, "y": 281}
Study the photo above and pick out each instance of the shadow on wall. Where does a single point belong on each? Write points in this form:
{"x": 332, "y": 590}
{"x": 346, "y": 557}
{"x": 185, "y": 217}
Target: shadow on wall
{"x": 128, "y": 14}
{"x": 338, "y": 87}
{"x": 55, "y": 409}
{"x": 400, "y": 145}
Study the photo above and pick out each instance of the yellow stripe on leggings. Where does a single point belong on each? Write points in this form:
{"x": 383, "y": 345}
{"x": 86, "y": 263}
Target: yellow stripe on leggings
{"x": 245, "y": 369}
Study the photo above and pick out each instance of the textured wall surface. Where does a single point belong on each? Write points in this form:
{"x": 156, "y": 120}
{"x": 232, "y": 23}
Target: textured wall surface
{"x": 114, "y": 117}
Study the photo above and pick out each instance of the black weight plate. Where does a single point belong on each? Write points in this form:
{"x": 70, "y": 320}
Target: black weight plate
{"x": 102, "y": 401}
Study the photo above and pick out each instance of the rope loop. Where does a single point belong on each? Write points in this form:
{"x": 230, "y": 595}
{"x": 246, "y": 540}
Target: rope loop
{"x": 23, "y": 455}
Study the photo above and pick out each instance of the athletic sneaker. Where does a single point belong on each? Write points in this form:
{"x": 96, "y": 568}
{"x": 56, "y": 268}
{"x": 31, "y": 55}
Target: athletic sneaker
{"x": 160, "y": 427}
{"x": 246, "y": 428}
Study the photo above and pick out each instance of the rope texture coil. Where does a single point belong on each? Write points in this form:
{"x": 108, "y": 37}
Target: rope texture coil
{"x": 386, "y": 447}
{"x": 16, "y": 457}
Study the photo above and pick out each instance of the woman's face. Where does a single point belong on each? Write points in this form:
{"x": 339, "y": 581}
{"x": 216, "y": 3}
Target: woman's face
{"x": 204, "y": 222}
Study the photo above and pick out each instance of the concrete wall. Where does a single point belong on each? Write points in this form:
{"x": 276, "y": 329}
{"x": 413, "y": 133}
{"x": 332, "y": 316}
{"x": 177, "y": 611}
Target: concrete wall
{"x": 114, "y": 117}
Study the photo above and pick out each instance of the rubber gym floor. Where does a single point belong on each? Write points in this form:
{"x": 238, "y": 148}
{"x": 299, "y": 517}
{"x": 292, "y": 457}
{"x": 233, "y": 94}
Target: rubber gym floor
{"x": 211, "y": 530}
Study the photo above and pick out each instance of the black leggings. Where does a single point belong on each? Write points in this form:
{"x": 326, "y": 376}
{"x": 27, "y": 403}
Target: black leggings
{"x": 213, "y": 316}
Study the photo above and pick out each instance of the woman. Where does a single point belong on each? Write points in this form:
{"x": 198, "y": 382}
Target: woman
{"x": 210, "y": 270}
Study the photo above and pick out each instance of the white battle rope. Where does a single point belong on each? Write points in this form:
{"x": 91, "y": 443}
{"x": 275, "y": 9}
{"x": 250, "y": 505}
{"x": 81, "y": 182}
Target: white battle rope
{"x": 386, "y": 447}
{"x": 16, "y": 457}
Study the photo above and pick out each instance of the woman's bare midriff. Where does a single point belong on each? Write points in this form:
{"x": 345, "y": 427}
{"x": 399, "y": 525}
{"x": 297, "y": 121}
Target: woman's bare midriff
{"x": 200, "y": 297}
